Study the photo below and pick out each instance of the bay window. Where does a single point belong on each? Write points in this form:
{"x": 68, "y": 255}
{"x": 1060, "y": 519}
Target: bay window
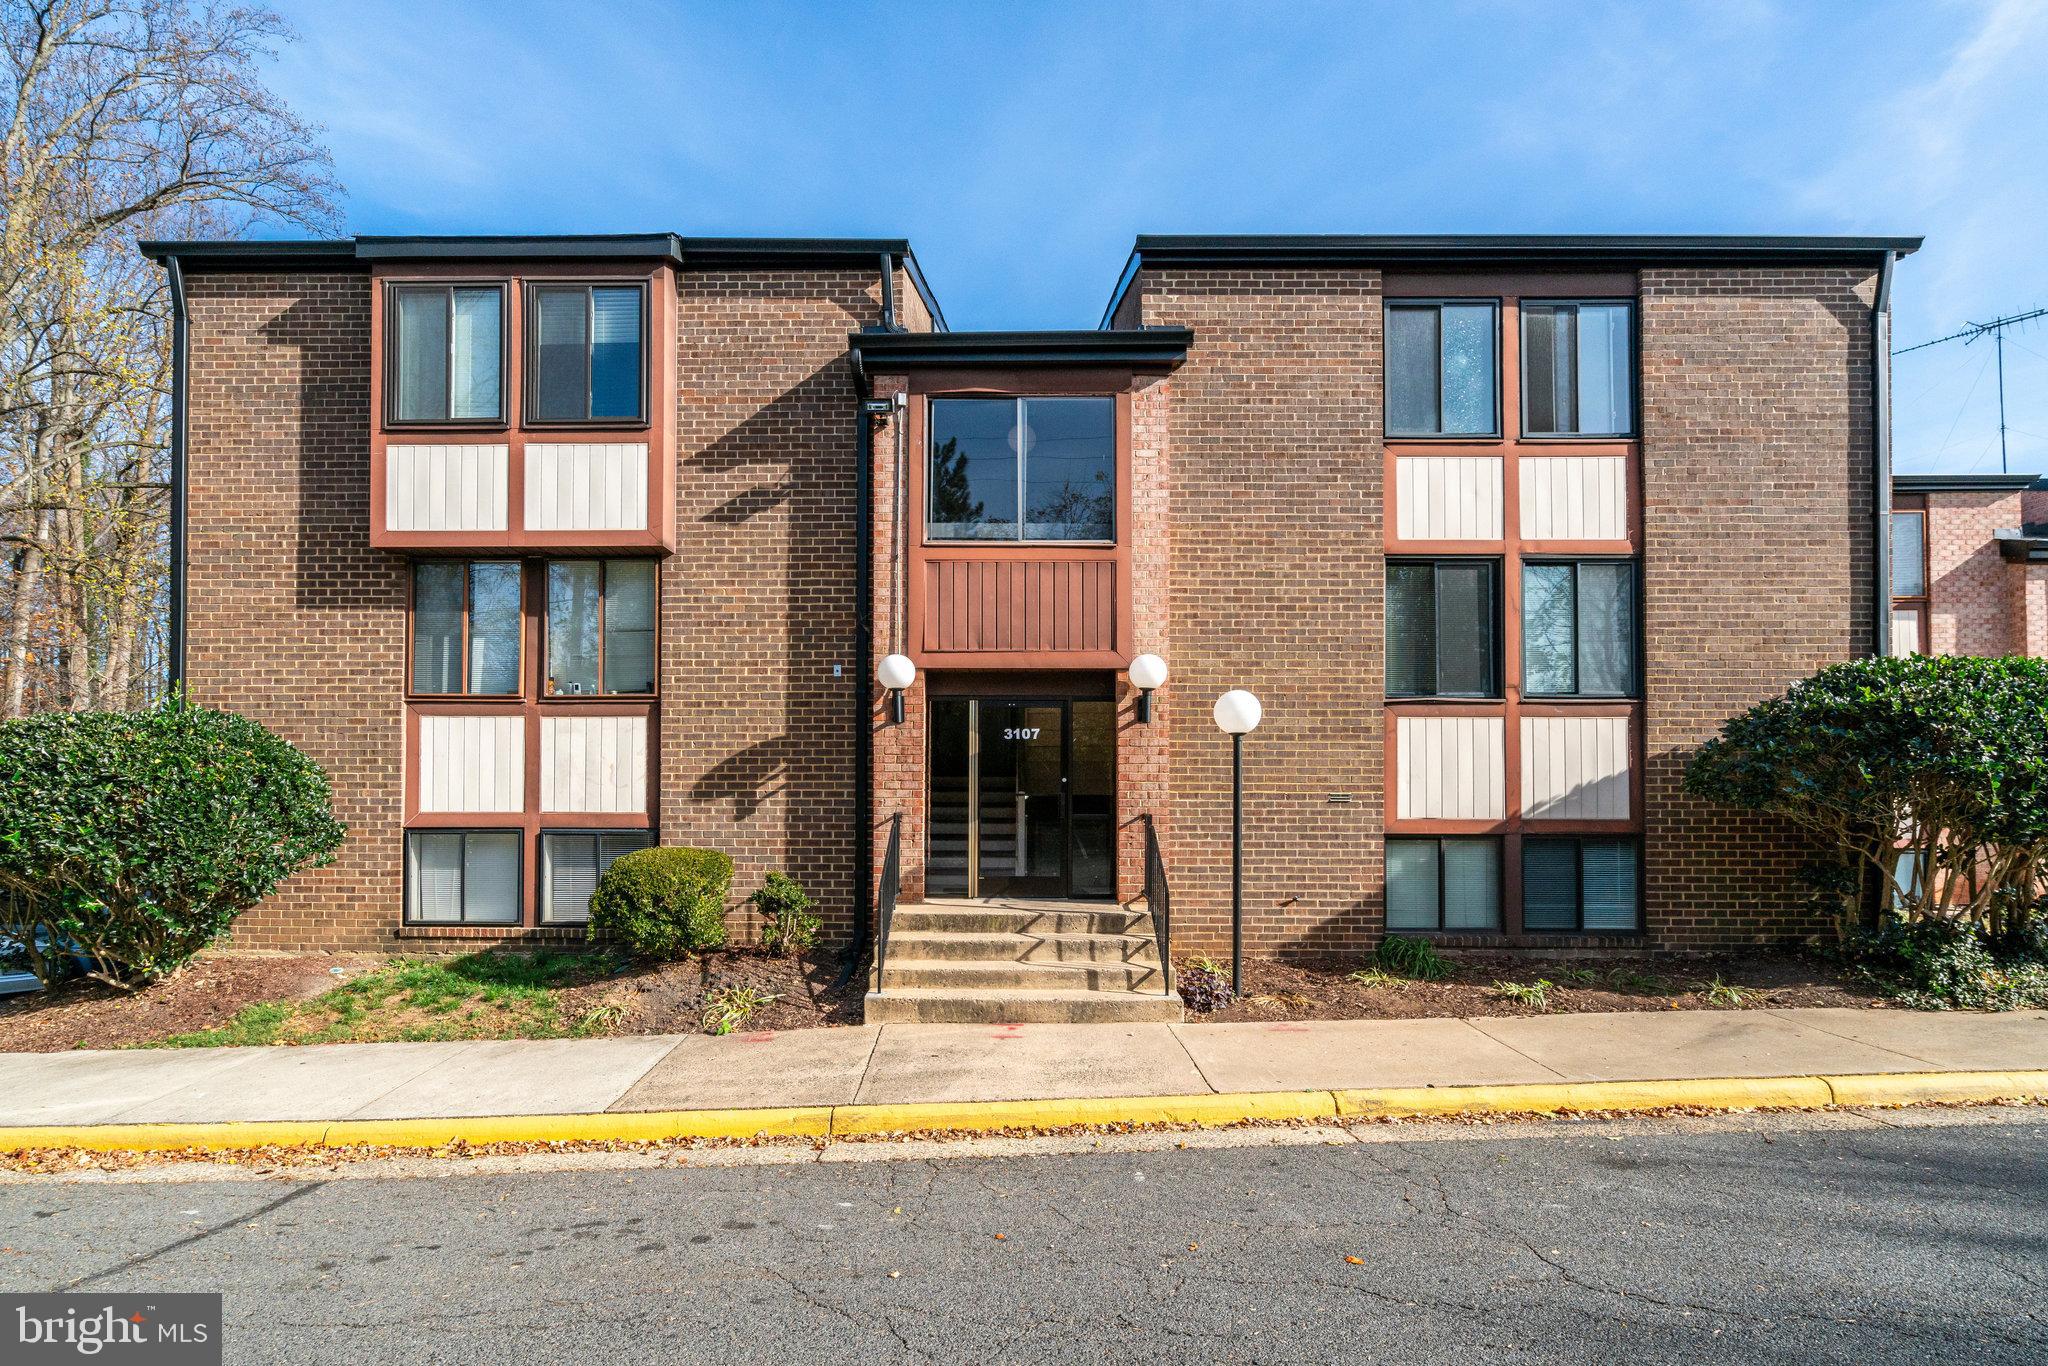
{"x": 1022, "y": 469}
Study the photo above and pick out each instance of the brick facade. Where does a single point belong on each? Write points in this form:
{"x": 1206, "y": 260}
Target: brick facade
{"x": 1757, "y": 558}
{"x": 294, "y": 621}
{"x": 1258, "y": 504}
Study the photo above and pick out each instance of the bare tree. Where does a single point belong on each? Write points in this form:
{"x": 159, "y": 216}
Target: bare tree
{"x": 128, "y": 118}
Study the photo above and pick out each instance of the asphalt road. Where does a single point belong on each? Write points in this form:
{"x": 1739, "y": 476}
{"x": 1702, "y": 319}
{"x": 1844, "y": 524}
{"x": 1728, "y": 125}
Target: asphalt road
{"x": 1631, "y": 1243}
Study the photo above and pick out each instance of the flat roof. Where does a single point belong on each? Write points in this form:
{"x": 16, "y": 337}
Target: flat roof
{"x": 891, "y": 352}
{"x": 1963, "y": 483}
{"x": 685, "y": 253}
{"x": 1463, "y": 249}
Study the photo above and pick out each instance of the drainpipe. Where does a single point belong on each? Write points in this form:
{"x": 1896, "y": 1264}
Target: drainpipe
{"x": 863, "y": 666}
{"x": 174, "y": 642}
{"x": 1881, "y": 448}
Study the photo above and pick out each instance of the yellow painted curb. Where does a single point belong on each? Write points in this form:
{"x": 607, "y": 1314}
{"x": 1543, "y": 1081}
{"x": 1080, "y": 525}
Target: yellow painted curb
{"x": 823, "y": 1121}
{"x": 1060, "y": 1114}
{"x": 1908, "y": 1088}
{"x": 813, "y": 1121}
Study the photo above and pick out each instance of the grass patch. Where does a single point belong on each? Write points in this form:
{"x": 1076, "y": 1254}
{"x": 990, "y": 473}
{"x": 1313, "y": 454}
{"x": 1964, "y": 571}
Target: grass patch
{"x": 1536, "y": 993}
{"x": 477, "y": 996}
{"x": 1412, "y": 958}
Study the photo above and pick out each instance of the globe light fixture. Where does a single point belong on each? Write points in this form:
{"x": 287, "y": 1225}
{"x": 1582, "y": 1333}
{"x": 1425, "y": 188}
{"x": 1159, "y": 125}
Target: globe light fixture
{"x": 895, "y": 673}
{"x": 1147, "y": 672}
{"x": 1237, "y": 715}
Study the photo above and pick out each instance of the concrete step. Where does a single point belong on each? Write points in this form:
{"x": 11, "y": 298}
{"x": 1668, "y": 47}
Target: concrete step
{"x": 932, "y": 1005}
{"x": 928, "y": 945}
{"x": 1011, "y": 975}
{"x": 973, "y": 918}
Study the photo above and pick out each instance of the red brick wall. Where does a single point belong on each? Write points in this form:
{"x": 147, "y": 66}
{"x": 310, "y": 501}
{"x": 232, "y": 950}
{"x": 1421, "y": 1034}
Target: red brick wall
{"x": 1757, "y": 558}
{"x": 294, "y": 621}
{"x": 1276, "y": 585}
{"x": 1970, "y": 586}
{"x": 758, "y": 610}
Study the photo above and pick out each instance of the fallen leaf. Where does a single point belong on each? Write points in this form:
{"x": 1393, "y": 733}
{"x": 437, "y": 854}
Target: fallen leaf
{"x": 1356, "y": 1261}
{"x": 1194, "y": 1247}
{"x": 1002, "y": 1237}
{"x": 894, "y": 1274}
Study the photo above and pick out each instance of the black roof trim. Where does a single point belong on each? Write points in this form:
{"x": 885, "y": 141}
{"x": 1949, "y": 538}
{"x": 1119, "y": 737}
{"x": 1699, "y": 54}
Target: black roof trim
{"x": 1963, "y": 483}
{"x": 1469, "y": 250}
{"x": 888, "y": 352}
{"x": 684, "y": 251}
{"x": 2028, "y": 544}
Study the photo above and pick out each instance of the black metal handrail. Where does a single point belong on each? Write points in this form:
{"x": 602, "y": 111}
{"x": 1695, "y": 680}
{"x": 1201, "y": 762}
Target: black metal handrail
{"x": 892, "y": 885}
{"x": 1159, "y": 901}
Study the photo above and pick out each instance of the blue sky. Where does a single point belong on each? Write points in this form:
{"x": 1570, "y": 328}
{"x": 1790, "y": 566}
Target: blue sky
{"x": 1021, "y": 147}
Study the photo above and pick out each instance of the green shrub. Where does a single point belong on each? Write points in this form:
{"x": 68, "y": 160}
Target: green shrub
{"x": 1943, "y": 964}
{"x": 727, "y": 1008}
{"x": 1415, "y": 958}
{"x": 1943, "y": 759}
{"x": 664, "y": 903}
{"x": 787, "y": 925}
{"x": 137, "y": 837}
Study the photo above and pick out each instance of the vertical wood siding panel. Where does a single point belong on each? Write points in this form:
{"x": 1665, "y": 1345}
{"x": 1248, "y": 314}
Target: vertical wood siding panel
{"x": 1447, "y": 498}
{"x": 1575, "y": 767}
{"x": 1450, "y": 768}
{"x": 471, "y": 763}
{"x": 586, "y": 486}
{"x": 594, "y": 763}
{"x": 1574, "y": 498}
{"x": 445, "y": 488}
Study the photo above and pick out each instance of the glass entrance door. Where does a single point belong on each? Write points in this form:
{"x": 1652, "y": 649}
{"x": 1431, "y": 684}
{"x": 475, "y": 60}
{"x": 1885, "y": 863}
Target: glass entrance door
{"x": 1023, "y": 798}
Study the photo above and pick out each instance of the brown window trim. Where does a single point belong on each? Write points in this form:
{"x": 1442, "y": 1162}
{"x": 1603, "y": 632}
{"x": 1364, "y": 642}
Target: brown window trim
{"x": 1388, "y": 304}
{"x": 392, "y": 421}
{"x": 1635, "y": 382}
{"x": 1116, "y": 455}
{"x": 405, "y": 901}
{"x": 1495, "y": 624}
{"x": 530, "y": 356}
{"x": 604, "y": 563}
{"x": 1500, "y": 848}
{"x": 411, "y": 604}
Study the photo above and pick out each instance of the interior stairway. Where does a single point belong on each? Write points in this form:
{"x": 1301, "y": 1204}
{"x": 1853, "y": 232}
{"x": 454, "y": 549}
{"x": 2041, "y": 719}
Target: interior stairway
{"x": 998, "y": 961}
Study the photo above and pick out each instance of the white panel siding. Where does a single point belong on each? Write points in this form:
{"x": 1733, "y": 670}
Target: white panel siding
{"x": 593, "y": 763}
{"x": 1447, "y": 498}
{"x": 1574, "y": 498}
{"x": 1450, "y": 768}
{"x": 472, "y": 763}
{"x": 1575, "y": 768}
{"x": 445, "y": 488}
{"x": 582, "y": 486}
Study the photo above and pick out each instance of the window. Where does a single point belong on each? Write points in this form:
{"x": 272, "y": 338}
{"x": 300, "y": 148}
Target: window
{"x": 1578, "y": 369}
{"x": 465, "y": 627}
{"x": 1443, "y": 884}
{"x": 1442, "y": 628}
{"x": 1030, "y": 469}
{"x": 444, "y": 353}
{"x": 585, "y": 353}
{"x": 571, "y": 864}
{"x": 600, "y": 627}
{"x": 1579, "y": 884}
{"x": 462, "y": 877}
{"x": 1441, "y": 371}
{"x": 1909, "y": 582}
{"x": 1579, "y": 628}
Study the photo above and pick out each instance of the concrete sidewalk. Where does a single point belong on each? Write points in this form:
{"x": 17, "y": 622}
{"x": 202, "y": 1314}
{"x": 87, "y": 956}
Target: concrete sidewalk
{"x": 966, "y": 1065}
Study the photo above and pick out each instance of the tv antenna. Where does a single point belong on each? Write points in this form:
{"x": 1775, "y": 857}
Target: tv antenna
{"x": 1975, "y": 332}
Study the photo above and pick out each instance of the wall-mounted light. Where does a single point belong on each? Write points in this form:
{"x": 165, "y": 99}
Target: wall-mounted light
{"x": 1147, "y": 672}
{"x": 895, "y": 673}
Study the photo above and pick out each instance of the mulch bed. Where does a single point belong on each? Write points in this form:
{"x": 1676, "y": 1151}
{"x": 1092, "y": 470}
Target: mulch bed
{"x": 1321, "y": 989}
{"x": 668, "y": 998}
{"x": 86, "y": 1014}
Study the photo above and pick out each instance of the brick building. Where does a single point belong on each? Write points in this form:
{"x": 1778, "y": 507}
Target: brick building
{"x": 1969, "y": 564}
{"x": 551, "y": 548}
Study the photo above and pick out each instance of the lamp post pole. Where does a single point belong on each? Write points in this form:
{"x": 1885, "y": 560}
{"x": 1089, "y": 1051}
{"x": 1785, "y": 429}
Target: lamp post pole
{"x": 1237, "y": 864}
{"x": 1237, "y": 715}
